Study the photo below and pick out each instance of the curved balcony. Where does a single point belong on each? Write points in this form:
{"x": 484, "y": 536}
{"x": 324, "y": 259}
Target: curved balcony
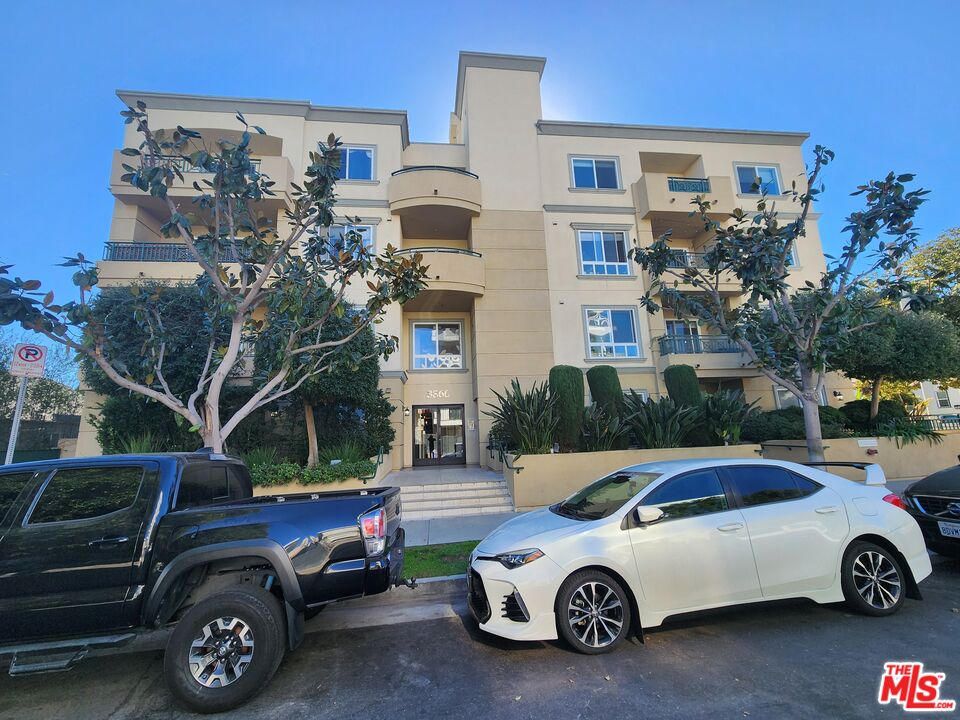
{"x": 434, "y": 201}
{"x": 454, "y": 278}
{"x": 708, "y": 354}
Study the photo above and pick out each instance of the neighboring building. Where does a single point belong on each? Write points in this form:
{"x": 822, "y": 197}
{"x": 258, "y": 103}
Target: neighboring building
{"x": 940, "y": 400}
{"x": 525, "y": 224}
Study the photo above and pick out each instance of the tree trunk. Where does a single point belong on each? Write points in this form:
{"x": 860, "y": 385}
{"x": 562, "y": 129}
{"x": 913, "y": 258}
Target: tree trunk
{"x": 312, "y": 449}
{"x": 811, "y": 416}
{"x": 875, "y": 399}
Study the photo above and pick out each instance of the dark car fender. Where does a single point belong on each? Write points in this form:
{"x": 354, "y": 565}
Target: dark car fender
{"x": 272, "y": 552}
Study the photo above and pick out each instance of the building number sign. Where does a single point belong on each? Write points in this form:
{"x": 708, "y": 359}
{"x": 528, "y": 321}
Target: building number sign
{"x": 437, "y": 394}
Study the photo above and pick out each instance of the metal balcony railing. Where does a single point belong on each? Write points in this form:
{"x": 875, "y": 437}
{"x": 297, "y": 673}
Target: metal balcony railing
{"x": 153, "y": 252}
{"x": 444, "y": 168}
{"x": 690, "y": 185}
{"x": 696, "y": 344}
{"x": 938, "y": 422}
{"x": 685, "y": 259}
{"x": 182, "y": 164}
{"x": 457, "y": 251}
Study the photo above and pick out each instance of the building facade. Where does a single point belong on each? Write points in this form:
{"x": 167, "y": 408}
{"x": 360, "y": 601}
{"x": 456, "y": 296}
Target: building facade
{"x": 525, "y": 224}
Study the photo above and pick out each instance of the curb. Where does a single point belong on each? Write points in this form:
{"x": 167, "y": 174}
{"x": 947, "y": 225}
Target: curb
{"x": 434, "y": 586}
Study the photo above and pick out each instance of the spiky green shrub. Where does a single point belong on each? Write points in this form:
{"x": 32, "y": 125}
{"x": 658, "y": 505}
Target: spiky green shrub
{"x": 683, "y": 387}
{"x": 566, "y": 388}
{"x": 600, "y": 431}
{"x": 261, "y": 456}
{"x": 140, "y": 444}
{"x": 658, "y": 423}
{"x": 524, "y": 419}
{"x": 723, "y": 414}
{"x": 344, "y": 451}
{"x": 908, "y": 432}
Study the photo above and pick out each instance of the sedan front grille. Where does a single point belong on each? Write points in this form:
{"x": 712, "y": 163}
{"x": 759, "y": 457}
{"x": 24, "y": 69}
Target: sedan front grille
{"x": 939, "y": 506}
{"x": 514, "y": 609}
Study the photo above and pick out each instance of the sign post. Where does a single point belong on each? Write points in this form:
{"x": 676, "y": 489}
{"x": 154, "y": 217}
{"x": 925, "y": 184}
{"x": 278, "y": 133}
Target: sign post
{"x": 28, "y": 361}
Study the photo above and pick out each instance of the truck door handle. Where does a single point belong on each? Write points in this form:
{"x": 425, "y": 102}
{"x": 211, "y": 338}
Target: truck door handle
{"x": 827, "y": 509}
{"x": 107, "y": 541}
{"x": 730, "y": 527}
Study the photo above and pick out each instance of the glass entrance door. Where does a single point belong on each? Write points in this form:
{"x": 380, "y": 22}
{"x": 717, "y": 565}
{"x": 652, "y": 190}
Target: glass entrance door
{"x": 438, "y": 435}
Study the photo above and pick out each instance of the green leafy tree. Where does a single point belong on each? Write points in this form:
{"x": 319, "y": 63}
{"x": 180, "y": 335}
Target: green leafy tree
{"x": 788, "y": 331}
{"x": 901, "y": 347}
{"x": 936, "y": 264}
{"x": 255, "y": 274}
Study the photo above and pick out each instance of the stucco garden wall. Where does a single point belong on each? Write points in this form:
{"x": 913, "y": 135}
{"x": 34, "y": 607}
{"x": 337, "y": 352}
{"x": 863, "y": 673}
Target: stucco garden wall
{"x": 538, "y": 480}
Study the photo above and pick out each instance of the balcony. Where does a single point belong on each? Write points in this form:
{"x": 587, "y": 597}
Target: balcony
{"x": 434, "y": 201}
{"x": 728, "y": 286}
{"x": 454, "y": 278}
{"x": 704, "y": 352}
{"x": 666, "y": 200}
{"x": 277, "y": 168}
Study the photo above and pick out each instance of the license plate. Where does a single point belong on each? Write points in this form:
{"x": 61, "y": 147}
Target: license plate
{"x": 951, "y": 530}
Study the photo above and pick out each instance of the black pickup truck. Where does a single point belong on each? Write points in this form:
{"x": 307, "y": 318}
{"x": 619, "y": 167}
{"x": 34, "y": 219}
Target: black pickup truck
{"x": 96, "y": 551}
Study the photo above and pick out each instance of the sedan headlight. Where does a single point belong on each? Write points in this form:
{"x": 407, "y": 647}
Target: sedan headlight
{"x": 517, "y": 558}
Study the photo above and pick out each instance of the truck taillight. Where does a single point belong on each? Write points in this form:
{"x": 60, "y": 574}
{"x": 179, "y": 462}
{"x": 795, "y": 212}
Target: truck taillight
{"x": 373, "y": 528}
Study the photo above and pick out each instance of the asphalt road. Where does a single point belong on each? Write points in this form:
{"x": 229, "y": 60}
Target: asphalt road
{"x": 775, "y": 661}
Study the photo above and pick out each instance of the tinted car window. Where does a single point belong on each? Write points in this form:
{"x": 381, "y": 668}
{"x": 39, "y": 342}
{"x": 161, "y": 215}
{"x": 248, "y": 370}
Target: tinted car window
{"x": 81, "y": 493}
{"x": 761, "y": 484}
{"x": 208, "y": 484}
{"x": 696, "y": 493}
{"x": 11, "y": 485}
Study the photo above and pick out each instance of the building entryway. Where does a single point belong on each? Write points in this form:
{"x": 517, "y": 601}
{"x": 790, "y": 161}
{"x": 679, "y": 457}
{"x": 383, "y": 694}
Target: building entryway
{"x": 438, "y": 435}
{"x": 451, "y": 492}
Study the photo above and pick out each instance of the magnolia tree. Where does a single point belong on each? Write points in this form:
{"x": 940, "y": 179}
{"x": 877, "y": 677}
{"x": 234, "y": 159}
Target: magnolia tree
{"x": 790, "y": 331}
{"x": 256, "y": 278}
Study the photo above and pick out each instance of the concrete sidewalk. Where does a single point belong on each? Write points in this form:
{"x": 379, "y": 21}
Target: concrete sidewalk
{"x": 438, "y": 531}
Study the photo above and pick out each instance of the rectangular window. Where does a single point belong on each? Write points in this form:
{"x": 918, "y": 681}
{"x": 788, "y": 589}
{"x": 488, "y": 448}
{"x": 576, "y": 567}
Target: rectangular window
{"x": 603, "y": 252}
{"x": 612, "y": 333}
{"x": 437, "y": 346}
{"x": 761, "y": 484}
{"x": 786, "y": 399}
{"x": 943, "y": 398}
{"x": 754, "y": 179}
{"x": 595, "y": 173}
{"x": 356, "y": 163}
{"x": 366, "y": 233}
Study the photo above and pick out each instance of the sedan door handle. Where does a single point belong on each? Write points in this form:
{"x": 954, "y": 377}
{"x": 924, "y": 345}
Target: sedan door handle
{"x": 827, "y": 509}
{"x": 731, "y": 527}
{"x": 107, "y": 541}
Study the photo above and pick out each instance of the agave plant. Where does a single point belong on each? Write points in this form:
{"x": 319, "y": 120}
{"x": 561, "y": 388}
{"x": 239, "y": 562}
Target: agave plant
{"x": 140, "y": 444}
{"x": 599, "y": 430}
{"x": 908, "y": 432}
{"x": 658, "y": 423}
{"x": 723, "y": 414}
{"x": 524, "y": 419}
{"x": 261, "y": 456}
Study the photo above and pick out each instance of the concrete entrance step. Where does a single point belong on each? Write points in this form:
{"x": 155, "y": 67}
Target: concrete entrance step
{"x": 433, "y": 494}
{"x": 449, "y": 512}
{"x": 502, "y": 503}
{"x": 444, "y": 487}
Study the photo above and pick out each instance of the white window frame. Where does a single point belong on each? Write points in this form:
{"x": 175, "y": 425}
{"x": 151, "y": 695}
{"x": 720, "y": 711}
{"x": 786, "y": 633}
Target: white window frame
{"x": 794, "y": 400}
{"x": 626, "y": 249}
{"x": 757, "y": 166}
{"x": 587, "y": 309}
{"x": 373, "y": 163}
{"x": 944, "y": 398}
{"x": 642, "y": 392}
{"x": 371, "y": 243}
{"x": 413, "y": 346}
{"x": 593, "y": 160}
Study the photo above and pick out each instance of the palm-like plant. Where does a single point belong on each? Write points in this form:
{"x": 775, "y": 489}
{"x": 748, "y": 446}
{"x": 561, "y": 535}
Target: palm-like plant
{"x": 599, "y": 430}
{"x": 658, "y": 423}
{"x": 723, "y": 414}
{"x": 524, "y": 419}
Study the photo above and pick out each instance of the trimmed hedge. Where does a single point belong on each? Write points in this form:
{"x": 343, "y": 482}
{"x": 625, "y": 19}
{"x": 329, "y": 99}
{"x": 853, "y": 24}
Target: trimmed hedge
{"x": 286, "y": 472}
{"x": 683, "y": 387}
{"x": 566, "y": 387}
{"x": 606, "y": 392}
{"x": 857, "y": 414}
{"x": 787, "y": 424}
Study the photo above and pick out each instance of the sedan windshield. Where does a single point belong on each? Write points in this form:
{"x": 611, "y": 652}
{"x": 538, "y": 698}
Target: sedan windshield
{"x": 604, "y": 496}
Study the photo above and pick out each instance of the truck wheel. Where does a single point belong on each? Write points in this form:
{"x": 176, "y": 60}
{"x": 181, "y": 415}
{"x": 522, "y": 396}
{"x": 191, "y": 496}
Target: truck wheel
{"x": 225, "y": 649}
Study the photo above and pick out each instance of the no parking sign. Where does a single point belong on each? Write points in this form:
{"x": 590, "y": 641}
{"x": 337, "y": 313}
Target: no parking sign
{"x": 28, "y": 360}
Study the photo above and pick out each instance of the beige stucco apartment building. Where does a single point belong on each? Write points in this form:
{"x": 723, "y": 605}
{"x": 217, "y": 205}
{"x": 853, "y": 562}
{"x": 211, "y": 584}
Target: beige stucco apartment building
{"x": 524, "y": 222}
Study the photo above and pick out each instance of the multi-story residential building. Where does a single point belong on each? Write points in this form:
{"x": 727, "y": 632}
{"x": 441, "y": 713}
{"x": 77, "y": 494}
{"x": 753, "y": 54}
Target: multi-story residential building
{"x": 525, "y": 224}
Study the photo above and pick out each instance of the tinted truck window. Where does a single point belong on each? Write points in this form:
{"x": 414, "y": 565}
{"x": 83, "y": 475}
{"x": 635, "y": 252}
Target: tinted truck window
{"x": 11, "y": 485}
{"x": 82, "y": 493}
{"x": 211, "y": 483}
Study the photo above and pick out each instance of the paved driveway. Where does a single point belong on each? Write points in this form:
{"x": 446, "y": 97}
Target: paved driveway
{"x": 789, "y": 660}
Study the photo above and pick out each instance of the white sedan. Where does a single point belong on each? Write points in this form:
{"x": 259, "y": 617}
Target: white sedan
{"x": 658, "y": 539}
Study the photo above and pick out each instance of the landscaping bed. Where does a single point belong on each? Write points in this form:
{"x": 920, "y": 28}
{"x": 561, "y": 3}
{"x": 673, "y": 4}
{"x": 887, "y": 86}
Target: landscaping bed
{"x": 427, "y": 561}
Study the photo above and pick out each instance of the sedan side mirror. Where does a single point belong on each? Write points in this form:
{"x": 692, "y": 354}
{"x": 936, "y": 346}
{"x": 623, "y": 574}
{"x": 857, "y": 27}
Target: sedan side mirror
{"x": 647, "y": 515}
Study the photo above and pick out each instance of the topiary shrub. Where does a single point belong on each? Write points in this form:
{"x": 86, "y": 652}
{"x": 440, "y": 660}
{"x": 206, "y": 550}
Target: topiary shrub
{"x": 605, "y": 391}
{"x": 857, "y": 414}
{"x": 683, "y": 387}
{"x": 566, "y": 388}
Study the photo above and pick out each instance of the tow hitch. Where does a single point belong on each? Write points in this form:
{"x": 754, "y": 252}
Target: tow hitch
{"x": 410, "y": 583}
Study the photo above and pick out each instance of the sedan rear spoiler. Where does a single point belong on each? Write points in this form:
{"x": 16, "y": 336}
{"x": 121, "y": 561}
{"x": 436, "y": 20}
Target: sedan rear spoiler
{"x": 873, "y": 471}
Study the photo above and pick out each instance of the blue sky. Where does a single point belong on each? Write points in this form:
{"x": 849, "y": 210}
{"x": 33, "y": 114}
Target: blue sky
{"x": 876, "y": 81}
